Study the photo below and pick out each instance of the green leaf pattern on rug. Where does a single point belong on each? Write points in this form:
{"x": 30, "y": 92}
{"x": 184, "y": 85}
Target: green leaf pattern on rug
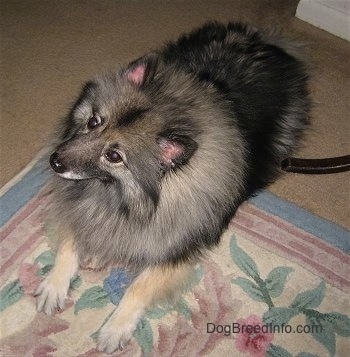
{"x": 258, "y": 290}
{"x": 46, "y": 260}
{"x": 75, "y": 283}
{"x": 279, "y": 315}
{"x": 92, "y": 298}
{"x": 249, "y": 287}
{"x": 156, "y": 313}
{"x": 181, "y": 307}
{"x": 277, "y": 351}
{"x": 325, "y": 335}
{"x": 276, "y": 280}
{"x": 243, "y": 260}
{"x": 323, "y": 326}
{"x": 309, "y": 298}
{"x": 144, "y": 336}
{"x": 339, "y": 322}
{"x": 10, "y": 294}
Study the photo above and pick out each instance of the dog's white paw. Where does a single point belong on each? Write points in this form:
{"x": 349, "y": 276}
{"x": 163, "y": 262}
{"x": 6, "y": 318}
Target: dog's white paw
{"x": 51, "y": 295}
{"x": 115, "y": 334}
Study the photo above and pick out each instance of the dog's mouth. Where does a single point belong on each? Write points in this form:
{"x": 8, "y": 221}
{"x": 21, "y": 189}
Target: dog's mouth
{"x": 70, "y": 175}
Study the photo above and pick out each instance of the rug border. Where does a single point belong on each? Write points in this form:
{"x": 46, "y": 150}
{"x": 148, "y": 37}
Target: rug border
{"x": 15, "y": 194}
{"x": 322, "y": 228}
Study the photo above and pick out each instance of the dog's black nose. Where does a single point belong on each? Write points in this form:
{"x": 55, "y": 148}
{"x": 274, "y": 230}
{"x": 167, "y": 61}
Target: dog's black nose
{"x": 57, "y": 164}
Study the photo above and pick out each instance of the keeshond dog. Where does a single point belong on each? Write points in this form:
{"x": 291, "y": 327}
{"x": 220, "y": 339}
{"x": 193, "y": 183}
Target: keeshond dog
{"x": 154, "y": 159}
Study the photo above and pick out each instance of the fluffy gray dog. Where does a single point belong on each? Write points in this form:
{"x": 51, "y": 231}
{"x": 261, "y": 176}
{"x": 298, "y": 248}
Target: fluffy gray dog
{"x": 154, "y": 160}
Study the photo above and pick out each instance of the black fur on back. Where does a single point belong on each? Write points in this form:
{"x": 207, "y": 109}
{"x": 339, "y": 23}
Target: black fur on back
{"x": 265, "y": 86}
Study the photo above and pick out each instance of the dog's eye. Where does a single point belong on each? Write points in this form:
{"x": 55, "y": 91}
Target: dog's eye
{"x": 113, "y": 156}
{"x": 94, "y": 122}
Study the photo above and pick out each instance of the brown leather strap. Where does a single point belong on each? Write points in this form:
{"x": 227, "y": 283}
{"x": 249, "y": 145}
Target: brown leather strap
{"x": 317, "y": 166}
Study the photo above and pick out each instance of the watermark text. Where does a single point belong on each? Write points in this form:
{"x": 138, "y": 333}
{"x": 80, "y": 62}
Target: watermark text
{"x": 235, "y": 328}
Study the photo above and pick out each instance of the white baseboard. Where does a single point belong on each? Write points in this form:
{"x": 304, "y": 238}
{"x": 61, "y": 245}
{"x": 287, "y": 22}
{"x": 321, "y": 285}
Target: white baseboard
{"x": 330, "y": 15}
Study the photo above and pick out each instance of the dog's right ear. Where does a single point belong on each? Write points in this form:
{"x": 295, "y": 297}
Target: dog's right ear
{"x": 175, "y": 149}
{"x": 141, "y": 71}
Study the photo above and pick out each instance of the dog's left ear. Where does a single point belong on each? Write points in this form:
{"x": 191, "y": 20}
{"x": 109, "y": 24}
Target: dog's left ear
{"x": 176, "y": 150}
{"x": 141, "y": 71}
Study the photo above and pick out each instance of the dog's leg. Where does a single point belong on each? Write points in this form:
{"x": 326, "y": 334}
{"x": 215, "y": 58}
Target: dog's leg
{"x": 52, "y": 292}
{"x": 152, "y": 286}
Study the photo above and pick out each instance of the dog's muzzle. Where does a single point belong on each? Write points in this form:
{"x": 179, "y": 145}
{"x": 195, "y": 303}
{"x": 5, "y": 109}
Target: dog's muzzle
{"x": 57, "y": 164}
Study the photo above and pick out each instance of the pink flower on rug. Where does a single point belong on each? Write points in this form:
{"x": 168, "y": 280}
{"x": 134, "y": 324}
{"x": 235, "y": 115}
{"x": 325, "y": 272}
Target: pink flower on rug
{"x": 187, "y": 336}
{"x": 251, "y": 339}
{"x": 28, "y": 277}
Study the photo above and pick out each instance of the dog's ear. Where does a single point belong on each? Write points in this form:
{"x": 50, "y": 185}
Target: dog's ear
{"x": 176, "y": 149}
{"x": 141, "y": 71}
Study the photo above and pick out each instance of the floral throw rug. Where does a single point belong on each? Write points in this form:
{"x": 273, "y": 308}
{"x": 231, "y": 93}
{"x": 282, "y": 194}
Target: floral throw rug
{"x": 278, "y": 285}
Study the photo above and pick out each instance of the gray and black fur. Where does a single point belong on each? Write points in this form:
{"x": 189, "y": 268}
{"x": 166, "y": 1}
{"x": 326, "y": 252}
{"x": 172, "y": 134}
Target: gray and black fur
{"x": 199, "y": 126}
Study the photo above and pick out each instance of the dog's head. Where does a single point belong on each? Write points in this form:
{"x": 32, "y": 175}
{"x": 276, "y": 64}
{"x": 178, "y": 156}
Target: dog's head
{"x": 124, "y": 129}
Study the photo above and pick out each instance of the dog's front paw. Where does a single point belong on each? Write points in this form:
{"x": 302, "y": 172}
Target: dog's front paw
{"x": 115, "y": 334}
{"x": 51, "y": 295}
